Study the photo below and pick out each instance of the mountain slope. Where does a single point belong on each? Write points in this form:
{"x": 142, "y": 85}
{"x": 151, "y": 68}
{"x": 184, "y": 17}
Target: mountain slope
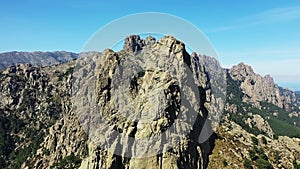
{"x": 258, "y": 117}
{"x": 260, "y": 95}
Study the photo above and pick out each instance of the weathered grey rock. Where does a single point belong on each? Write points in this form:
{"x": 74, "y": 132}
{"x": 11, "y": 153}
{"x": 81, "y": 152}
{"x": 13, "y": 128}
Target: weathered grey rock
{"x": 234, "y": 145}
{"x": 262, "y": 89}
{"x": 150, "y": 40}
{"x": 257, "y": 121}
{"x": 142, "y": 95}
{"x": 133, "y": 44}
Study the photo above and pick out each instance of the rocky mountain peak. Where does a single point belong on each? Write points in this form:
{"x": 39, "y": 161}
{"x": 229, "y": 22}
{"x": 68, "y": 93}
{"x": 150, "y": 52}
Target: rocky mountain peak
{"x": 257, "y": 88}
{"x": 241, "y": 71}
{"x": 172, "y": 43}
{"x": 269, "y": 79}
{"x": 133, "y": 43}
{"x": 150, "y": 40}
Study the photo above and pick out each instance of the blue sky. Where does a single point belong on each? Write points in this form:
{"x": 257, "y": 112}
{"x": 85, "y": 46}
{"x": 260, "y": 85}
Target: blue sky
{"x": 262, "y": 33}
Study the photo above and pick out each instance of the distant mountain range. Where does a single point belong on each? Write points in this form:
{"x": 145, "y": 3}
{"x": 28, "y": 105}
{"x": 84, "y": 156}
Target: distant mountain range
{"x": 35, "y": 58}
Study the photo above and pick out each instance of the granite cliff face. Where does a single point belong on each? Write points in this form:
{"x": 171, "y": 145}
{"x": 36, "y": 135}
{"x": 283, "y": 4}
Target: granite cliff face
{"x": 150, "y": 105}
{"x": 146, "y": 106}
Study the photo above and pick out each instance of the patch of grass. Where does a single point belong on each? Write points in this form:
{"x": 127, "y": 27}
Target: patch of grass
{"x": 86, "y": 151}
{"x": 277, "y": 156}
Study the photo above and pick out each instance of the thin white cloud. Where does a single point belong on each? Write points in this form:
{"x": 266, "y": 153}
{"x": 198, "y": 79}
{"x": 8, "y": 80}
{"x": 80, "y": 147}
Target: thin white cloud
{"x": 274, "y": 15}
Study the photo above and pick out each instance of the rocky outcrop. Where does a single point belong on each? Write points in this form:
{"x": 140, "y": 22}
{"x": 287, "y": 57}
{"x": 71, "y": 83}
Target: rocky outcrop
{"x": 258, "y": 89}
{"x": 257, "y": 121}
{"x": 255, "y": 87}
{"x": 150, "y": 101}
{"x": 134, "y": 43}
{"x": 150, "y": 40}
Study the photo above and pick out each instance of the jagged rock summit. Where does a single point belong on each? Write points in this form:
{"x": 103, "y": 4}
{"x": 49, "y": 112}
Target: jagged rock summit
{"x": 149, "y": 96}
{"x": 260, "y": 89}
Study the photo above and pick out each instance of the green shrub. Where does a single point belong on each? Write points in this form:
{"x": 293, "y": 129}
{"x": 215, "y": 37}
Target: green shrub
{"x": 70, "y": 162}
{"x": 263, "y": 164}
{"x": 225, "y": 162}
{"x": 86, "y": 151}
{"x": 277, "y": 156}
{"x": 46, "y": 152}
{"x": 264, "y": 140}
{"x": 296, "y": 165}
{"x": 263, "y": 156}
{"x": 252, "y": 155}
{"x": 247, "y": 164}
{"x": 254, "y": 140}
